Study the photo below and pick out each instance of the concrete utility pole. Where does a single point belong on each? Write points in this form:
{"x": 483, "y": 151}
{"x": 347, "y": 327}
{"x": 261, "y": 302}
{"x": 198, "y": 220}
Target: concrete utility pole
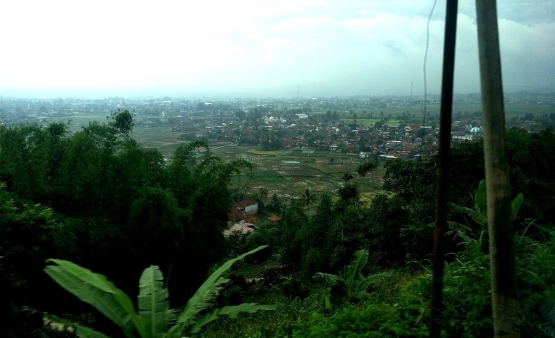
{"x": 502, "y": 257}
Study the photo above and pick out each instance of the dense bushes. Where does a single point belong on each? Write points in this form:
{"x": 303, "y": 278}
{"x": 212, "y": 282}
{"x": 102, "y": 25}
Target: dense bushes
{"x": 375, "y": 320}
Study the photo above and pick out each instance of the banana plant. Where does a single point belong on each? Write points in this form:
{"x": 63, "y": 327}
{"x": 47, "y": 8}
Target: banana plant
{"x": 154, "y": 318}
{"x": 350, "y": 284}
{"x": 480, "y": 216}
{"x": 480, "y": 213}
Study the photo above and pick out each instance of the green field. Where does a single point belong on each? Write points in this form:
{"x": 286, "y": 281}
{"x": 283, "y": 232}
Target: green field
{"x": 290, "y": 172}
{"x": 511, "y": 110}
{"x": 371, "y": 122}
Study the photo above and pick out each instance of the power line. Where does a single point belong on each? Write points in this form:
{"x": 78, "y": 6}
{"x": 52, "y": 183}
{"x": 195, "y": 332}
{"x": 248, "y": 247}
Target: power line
{"x": 425, "y": 61}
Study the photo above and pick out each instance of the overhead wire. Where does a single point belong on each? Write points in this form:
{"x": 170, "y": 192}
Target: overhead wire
{"x": 425, "y": 62}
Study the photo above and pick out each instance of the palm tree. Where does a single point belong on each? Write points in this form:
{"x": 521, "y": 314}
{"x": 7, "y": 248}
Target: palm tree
{"x": 245, "y": 186}
{"x": 308, "y": 197}
{"x": 262, "y": 195}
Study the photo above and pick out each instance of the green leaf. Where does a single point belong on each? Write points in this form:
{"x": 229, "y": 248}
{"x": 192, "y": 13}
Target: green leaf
{"x": 476, "y": 216}
{"x": 98, "y": 291}
{"x": 481, "y": 200}
{"x": 327, "y": 302}
{"x": 153, "y": 301}
{"x": 231, "y": 311}
{"x": 364, "y": 284}
{"x": 515, "y": 205}
{"x": 85, "y": 332}
{"x": 205, "y": 293}
{"x": 351, "y": 282}
{"x": 457, "y": 226}
{"x": 359, "y": 262}
{"x": 327, "y": 278}
{"x": 353, "y": 271}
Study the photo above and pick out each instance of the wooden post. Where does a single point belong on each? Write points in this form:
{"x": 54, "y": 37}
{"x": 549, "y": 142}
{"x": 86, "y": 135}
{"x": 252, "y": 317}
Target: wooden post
{"x": 502, "y": 260}
{"x": 443, "y": 165}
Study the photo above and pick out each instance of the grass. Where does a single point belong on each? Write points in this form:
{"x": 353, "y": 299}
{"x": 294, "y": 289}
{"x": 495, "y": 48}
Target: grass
{"x": 312, "y": 172}
{"x": 415, "y": 111}
{"x": 264, "y": 152}
{"x": 370, "y": 195}
{"x": 370, "y": 122}
{"x": 289, "y": 312}
{"x": 266, "y": 176}
{"x": 254, "y": 271}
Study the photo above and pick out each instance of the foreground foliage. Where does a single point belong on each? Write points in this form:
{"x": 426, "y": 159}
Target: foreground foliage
{"x": 75, "y": 196}
{"x": 154, "y": 316}
{"x": 397, "y": 306}
{"x": 350, "y": 284}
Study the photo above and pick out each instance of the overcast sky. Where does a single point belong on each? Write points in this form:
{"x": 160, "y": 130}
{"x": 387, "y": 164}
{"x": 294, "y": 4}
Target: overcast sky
{"x": 259, "y": 47}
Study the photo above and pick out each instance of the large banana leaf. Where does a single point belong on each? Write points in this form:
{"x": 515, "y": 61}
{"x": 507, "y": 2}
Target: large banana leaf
{"x": 479, "y": 213}
{"x": 481, "y": 200}
{"x": 515, "y": 205}
{"x": 231, "y": 311}
{"x": 98, "y": 291}
{"x": 327, "y": 278}
{"x": 154, "y": 306}
{"x": 477, "y": 217}
{"x": 365, "y": 283}
{"x": 204, "y": 294}
{"x": 352, "y": 282}
{"x": 353, "y": 271}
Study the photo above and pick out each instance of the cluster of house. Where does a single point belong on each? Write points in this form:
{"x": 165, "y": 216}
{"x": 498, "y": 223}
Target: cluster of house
{"x": 191, "y": 119}
{"x": 243, "y": 217}
{"x": 470, "y": 133}
{"x": 386, "y": 141}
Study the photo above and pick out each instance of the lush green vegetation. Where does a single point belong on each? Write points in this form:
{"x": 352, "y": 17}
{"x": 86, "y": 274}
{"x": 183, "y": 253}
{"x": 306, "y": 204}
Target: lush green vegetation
{"x": 154, "y": 318}
{"x": 101, "y": 200}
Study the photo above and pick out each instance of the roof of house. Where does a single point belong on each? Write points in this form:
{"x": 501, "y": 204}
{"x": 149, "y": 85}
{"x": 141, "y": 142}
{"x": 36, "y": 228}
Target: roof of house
{"x": 238, "y": 215}
{"x": 245, "y": 203}
{"x": 242, "y": 228}
{"x": 274, "y": 218}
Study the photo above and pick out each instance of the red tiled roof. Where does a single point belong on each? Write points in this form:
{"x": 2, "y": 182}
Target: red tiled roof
{"x": 274, "y": 218}
{"x": 238, "y": 215}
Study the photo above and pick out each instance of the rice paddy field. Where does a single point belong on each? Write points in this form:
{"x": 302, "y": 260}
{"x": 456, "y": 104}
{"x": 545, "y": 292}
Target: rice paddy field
{"x": 511, "y": 109}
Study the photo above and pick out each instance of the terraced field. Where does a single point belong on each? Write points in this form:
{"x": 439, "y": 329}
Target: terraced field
{"x": 292, "y": 171}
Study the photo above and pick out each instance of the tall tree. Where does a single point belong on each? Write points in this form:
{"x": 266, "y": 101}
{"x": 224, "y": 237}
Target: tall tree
{"x": 293, "y": 220}
{"x": 308, "y": 197}
{"x": 367, "y": 167}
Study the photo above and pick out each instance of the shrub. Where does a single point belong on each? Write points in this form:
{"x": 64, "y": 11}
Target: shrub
{"x": 375, "y": 320}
